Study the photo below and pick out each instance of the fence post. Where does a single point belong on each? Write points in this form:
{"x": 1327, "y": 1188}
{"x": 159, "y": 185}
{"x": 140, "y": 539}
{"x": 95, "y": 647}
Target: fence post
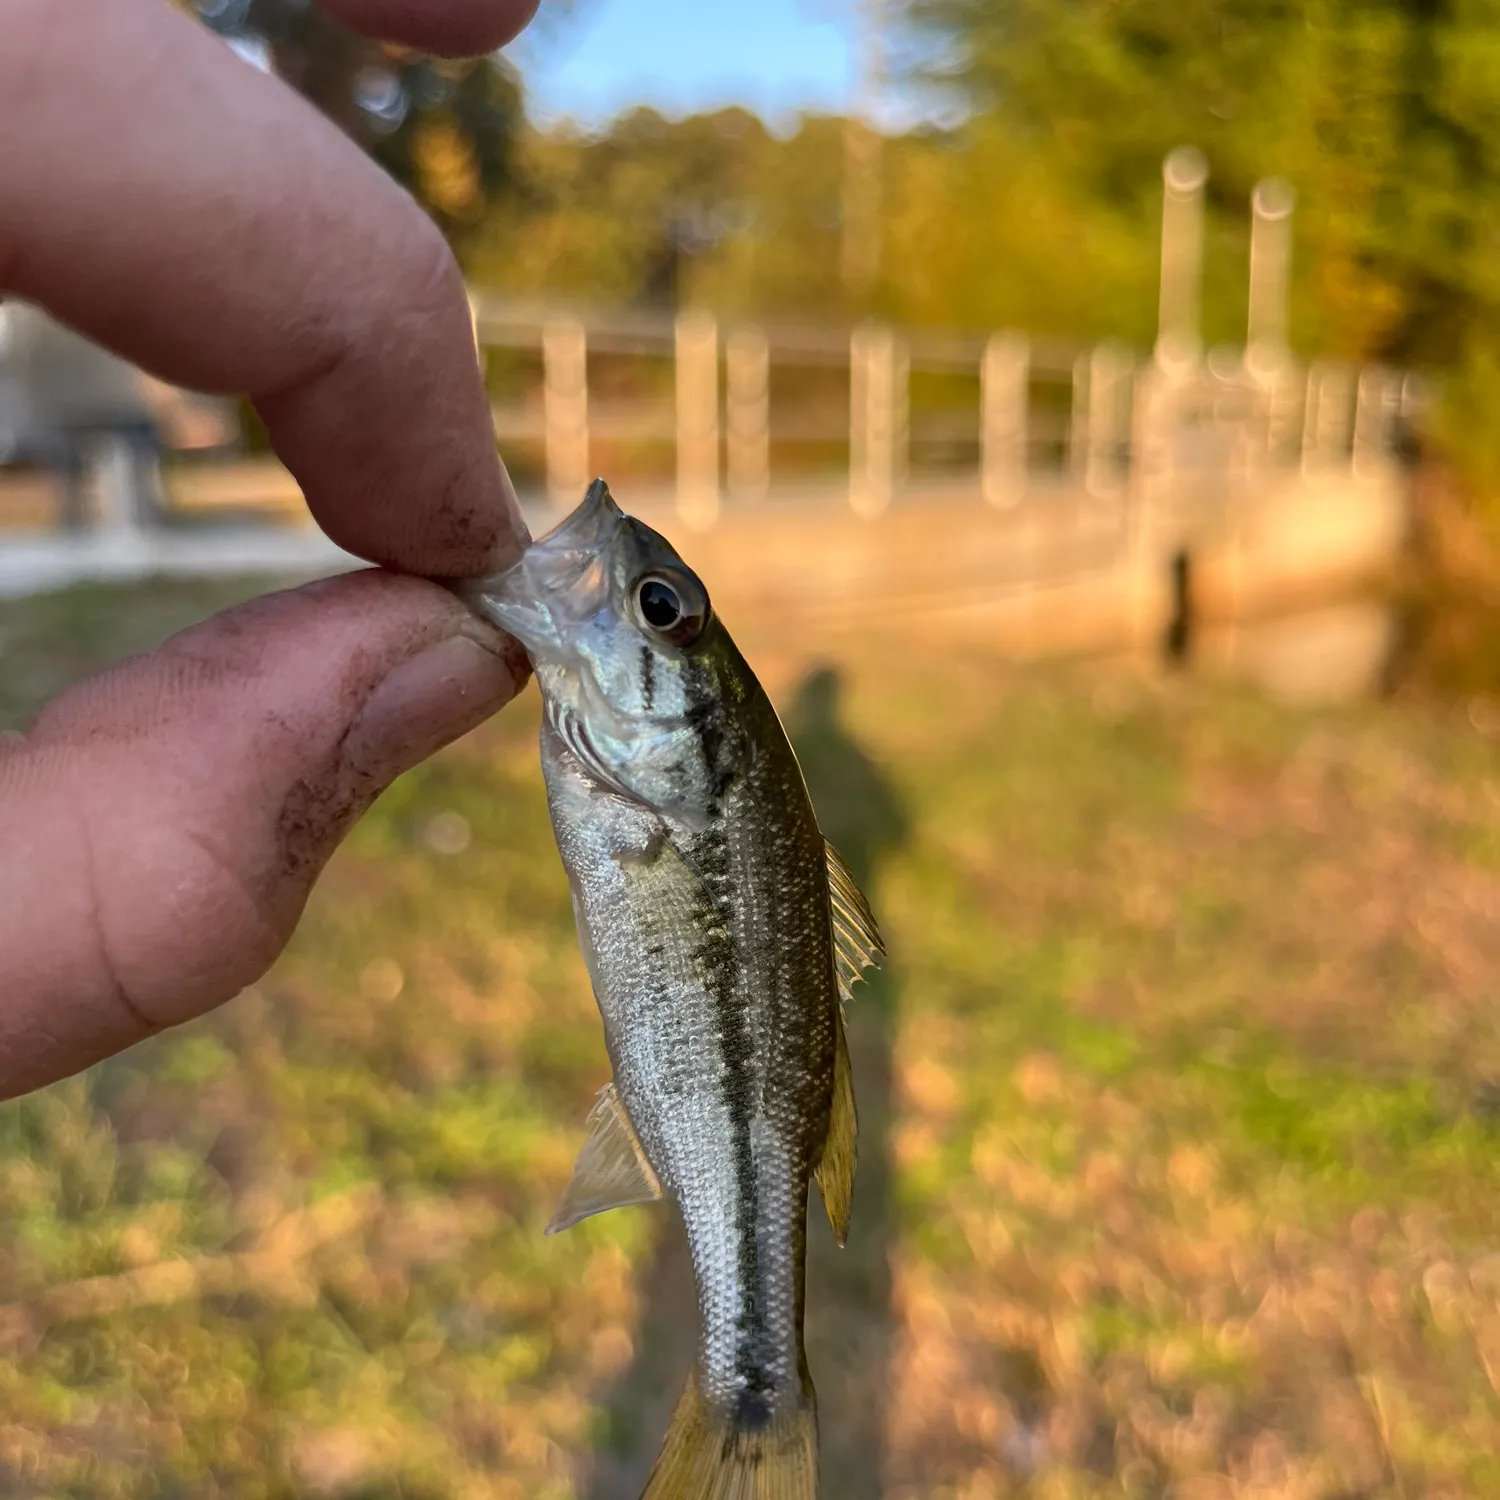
{"x": 1326, "y": 424}
{"x": 1278, "y": 392}
{"x": 1414, "y": 398}
{"x": 697, "y": 360}
{"x": 1312, "y": 401}
{"x": 1155, "y": 416}
{"x": 565, "y": 411}
{"x": 878, "y": 415}
{"x": 1004, "y": 395}
{"x": 1184, "y": 174}
{"x": 1078, "y": 418}
{"x": 1271, "y": 207}
{"x": 1377, "y": 405}
{"x": 747, "y": 369}
{"x": 1106, "y": 382}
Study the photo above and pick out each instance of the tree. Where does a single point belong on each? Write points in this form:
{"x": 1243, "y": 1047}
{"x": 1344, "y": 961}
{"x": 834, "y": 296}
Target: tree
{"x": 712, "y": 209}
{"x": 1383, "y": 113}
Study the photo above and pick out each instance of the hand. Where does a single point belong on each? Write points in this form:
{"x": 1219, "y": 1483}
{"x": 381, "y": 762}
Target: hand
{"x": 160, "y": 826}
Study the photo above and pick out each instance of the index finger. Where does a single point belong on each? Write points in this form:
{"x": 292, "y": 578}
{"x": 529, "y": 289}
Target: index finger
{"x": 201, "y": 219}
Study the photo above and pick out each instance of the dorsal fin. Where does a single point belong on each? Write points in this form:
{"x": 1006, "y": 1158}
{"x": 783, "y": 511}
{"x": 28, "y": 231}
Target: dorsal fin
{"x": 857, "y": 946}
{"x": 857, "y": 943}
{"x": 612, "y": 1170}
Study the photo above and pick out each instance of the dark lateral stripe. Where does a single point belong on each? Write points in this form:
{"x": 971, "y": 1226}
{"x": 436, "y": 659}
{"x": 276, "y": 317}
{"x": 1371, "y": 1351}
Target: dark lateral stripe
{"x": 721, "y": 970}
{"x": 703, "y": 713}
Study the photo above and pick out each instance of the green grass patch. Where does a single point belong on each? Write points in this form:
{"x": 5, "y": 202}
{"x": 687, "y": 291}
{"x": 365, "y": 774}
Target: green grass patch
{"x": 1179, "y": 1155}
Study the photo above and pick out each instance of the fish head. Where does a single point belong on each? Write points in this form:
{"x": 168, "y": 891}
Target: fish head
{"x": 638, "y": 677}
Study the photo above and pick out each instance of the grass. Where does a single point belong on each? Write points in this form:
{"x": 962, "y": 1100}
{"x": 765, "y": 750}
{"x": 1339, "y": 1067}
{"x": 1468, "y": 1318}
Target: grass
{"x": 1180, "y": 1169}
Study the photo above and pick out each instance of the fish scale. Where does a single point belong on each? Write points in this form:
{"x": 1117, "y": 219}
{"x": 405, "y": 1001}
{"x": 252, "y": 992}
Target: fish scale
{"x": 722, "y": 936}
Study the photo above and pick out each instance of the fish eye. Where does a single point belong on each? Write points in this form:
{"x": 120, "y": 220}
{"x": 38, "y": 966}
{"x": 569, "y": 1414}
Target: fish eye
{"x": 660, "y": 605}
{"x": 672, "y": 606}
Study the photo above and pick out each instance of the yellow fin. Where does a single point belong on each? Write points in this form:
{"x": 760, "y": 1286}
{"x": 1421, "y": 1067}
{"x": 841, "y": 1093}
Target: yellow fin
{"x": 708, "y": 1455}
{"x": 612, "y": 1170}
{"x": 857, "y": 944}
{"x": 835, "y": 1170}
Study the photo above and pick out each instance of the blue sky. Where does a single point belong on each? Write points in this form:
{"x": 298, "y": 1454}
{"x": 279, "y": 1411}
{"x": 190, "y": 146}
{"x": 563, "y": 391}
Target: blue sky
{"x": 775, "y": 56}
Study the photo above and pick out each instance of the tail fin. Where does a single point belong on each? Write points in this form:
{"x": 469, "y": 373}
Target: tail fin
{"x": 708, "y": 1455}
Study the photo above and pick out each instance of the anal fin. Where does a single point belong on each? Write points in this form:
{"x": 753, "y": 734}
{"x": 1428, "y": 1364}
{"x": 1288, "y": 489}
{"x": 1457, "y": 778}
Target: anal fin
{"x": 611, "y": 1171}
{"x": 835, "y": 1169}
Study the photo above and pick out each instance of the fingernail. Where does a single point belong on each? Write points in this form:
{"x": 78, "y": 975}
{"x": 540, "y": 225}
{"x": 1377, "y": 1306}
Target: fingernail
{"x": 431, "y": 700}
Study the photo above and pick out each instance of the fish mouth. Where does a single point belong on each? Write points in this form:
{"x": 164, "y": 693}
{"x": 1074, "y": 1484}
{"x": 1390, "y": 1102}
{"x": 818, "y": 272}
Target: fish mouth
{"x": 589, "y": 525}
{"x": 559, "y": 577}
{"x": 499, "y": 598}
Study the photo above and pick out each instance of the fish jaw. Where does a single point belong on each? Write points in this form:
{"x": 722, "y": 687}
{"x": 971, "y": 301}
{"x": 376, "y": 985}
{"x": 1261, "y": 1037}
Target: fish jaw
{"x": 500, "y": 599}
{"x": 561, "y": 580}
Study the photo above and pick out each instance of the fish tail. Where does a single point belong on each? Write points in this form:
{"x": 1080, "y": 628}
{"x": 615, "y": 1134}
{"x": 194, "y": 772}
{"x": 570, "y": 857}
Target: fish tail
{"x": 711, "y": 1454}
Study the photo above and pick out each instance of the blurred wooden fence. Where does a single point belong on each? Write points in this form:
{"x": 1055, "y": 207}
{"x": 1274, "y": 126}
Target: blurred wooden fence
{"x": 826, "y": 473}
{"x": 1038, "y": 417}
{"x": 828, "y": 470}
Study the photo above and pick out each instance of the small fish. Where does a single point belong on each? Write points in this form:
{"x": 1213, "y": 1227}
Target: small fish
{"x": 723, "y": 936}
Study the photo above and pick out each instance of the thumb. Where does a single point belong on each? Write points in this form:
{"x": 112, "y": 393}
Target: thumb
{"x": 161, "y": 825}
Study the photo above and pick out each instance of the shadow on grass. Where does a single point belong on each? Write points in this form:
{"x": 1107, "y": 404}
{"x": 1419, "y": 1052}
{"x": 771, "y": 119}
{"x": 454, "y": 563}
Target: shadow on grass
{"x": 850, "y": 1326}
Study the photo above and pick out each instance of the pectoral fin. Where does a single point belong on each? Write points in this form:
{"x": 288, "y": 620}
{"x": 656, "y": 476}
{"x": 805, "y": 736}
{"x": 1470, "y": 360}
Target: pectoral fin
{"x": 857, "y": 944}
{"x": 835, "y": 1170}
{"x": 611, "y": 1171}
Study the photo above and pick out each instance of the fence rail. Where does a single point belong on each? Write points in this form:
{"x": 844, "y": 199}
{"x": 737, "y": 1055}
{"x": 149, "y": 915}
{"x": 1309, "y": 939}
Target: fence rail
{"x": 1104, "y": 417}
